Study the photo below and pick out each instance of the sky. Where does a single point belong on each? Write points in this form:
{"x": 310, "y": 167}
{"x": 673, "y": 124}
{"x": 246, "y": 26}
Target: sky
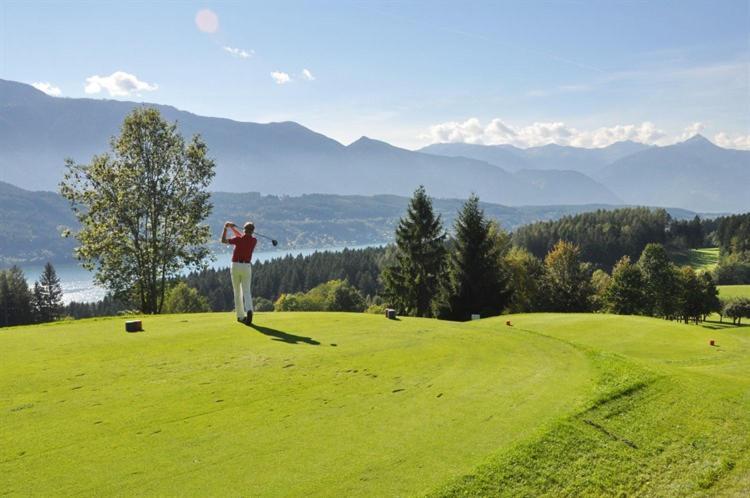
{"x": 528, "y": 73}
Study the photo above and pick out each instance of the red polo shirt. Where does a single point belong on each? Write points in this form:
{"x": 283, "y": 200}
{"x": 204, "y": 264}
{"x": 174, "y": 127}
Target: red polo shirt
{"x": 243, "y": 248}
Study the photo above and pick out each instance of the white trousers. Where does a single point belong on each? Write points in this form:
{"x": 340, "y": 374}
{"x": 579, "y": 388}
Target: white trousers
{"x": 242, "y": 275}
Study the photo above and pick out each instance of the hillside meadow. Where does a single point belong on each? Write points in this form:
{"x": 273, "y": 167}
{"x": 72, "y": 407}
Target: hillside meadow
{"x": 332, "y": 404}
{"x": 732, "y": 291}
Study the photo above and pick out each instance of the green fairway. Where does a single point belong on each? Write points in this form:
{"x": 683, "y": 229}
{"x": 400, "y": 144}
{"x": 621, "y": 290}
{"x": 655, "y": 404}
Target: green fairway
{"x": 730, "y": 291}
{"x": 350, "y": 404}
{"x": 704, "y": 259}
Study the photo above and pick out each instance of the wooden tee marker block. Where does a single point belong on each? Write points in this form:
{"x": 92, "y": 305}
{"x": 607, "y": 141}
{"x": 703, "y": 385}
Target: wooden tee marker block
{"x": 133, "y": 326}
{"x": 390, "y": 314}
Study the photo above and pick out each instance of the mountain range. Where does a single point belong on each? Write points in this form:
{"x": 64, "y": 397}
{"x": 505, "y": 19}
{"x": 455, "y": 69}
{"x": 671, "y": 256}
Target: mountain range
{"x": 32, "y": 221}
{"x": 37, "y": 132}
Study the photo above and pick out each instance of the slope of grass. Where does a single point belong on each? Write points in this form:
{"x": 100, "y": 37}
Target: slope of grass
{"x": 704, "y": 259}
{"x": 321, "y": 404}
{"x": 730, "y": 291}
{"x": 672, "y": 420}
{"x": 343, "y": 404}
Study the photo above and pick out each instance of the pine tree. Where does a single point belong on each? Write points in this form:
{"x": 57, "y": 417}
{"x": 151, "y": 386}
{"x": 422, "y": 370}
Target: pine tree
{"x": 477, "y": 282}
{"x": 15, "y": 298}
{"x": 47, "y": 295}
{"x": 5, "y": 318}
{"x": 411, "y": 282}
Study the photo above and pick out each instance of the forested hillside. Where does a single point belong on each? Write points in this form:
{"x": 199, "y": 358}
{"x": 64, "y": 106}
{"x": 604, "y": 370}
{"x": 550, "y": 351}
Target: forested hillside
{"x": 32, "y": 222}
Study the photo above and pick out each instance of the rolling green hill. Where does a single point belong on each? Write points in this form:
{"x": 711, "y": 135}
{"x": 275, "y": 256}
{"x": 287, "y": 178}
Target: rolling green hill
{"x": 327, "y": 404}
{"x": 730, "y": 291}
{"x": 704, "y": 259}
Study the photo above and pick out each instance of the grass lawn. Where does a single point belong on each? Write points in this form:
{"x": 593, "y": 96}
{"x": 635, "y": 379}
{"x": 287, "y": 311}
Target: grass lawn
{"x": 328, "y": 404}
{"x": 704, "y": 259}
{"x": 730, "y": 291}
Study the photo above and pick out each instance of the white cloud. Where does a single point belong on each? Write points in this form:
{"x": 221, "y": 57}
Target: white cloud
{"x": 118, "y": 84}
{"x": 47, "y": 88}
{"x": 280, "y": 77}
{"x": 691, "y": 131}
{"x": 238, "y": 52}
{"x": 732, "y": 142}
{"x": 307, "y": 75}
{"x": 543, "y": 133}
{"x": 207, "y": 21}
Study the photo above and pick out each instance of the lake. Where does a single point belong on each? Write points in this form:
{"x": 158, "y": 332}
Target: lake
{"x": 78, "y": 284}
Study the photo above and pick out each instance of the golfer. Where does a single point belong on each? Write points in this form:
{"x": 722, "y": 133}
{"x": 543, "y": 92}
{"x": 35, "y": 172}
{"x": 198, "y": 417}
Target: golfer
{"x": 242, "y": 274}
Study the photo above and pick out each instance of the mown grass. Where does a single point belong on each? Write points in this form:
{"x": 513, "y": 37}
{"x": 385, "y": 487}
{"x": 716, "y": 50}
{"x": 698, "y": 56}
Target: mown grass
{"x": 674, "y": 421}
{"x": 704, "y": 259}
{"x": 314, "y": 403}
{"x": 332, "y": 404}
{"x": 732, "y": 291}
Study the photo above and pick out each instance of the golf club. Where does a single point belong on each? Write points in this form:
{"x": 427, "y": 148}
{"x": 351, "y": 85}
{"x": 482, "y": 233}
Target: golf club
{"x": 273, "y": 241}
{"x": 233, "y": 227}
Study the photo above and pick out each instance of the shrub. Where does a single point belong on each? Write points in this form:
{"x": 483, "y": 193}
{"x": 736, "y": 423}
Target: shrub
{"x": 335, "y": 295}
{"x": 737, "y": 309}
{"x": 376, "y": 309}
{"x": 184, "y": 299}
{"x": 262, "y": 304}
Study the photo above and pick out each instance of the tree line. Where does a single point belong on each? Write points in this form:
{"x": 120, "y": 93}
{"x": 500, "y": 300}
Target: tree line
{"x": 732, "y": 235}
{"x": 478, "y": 271}
{"x": 21, "y": 305}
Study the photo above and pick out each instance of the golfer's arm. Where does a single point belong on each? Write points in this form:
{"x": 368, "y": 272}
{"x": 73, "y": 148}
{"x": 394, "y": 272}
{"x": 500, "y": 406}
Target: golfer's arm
{"x": 224, "y": 236}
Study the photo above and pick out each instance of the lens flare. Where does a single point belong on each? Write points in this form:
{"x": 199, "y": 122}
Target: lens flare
{"x": 207, "y": 21}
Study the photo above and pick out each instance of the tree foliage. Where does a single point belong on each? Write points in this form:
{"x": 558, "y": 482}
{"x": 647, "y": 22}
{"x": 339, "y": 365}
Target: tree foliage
{"x": 15, "y": 298}
{"x": 737, "y": 309}
{"x": 411, "y": 282}
{"x": 47, "y": 295}
{"x": 141, "y": 208}
{"x": 526, "y": 275}
{"x": 661, "y": 284}
{"x": 566, "y": 285}
{"x": 476, "y": 283}
{"x": 625, "y": 295}
{"x": 336, "y": 295}
{"x": 183, "y": 299}
{"x": 603, "y": 236}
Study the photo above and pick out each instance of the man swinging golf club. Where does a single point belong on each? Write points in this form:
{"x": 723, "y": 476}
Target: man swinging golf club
{"x": 244, "y": 244}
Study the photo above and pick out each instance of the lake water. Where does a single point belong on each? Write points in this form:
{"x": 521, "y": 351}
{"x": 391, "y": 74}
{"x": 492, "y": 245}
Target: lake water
{"x": 78, "y": 284}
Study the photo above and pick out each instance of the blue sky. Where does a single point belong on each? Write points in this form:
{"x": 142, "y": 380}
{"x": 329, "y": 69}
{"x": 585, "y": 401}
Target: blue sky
{"x": 408, "y": 72}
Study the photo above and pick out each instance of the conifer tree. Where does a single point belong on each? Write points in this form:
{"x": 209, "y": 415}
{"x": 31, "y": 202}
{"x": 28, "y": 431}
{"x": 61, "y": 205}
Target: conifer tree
{"x": 15, "y": 298}
{"x": 47, "y": 295}
{"x": 477, "y": 282}
{"x": 411, "y": 282}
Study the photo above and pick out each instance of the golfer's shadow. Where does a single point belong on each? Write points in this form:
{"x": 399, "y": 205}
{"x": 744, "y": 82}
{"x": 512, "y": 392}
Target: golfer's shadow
{"x": 278, "y": 335}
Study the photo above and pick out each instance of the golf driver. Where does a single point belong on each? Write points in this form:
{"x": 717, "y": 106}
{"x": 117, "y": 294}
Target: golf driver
{"x": 233, "y": 227}
{"x": 273, "y": 241}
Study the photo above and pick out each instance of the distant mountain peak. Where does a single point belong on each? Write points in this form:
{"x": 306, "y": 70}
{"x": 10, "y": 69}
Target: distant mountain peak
{"x": 698, "y": 139}
{"x": 367, "y": 143}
